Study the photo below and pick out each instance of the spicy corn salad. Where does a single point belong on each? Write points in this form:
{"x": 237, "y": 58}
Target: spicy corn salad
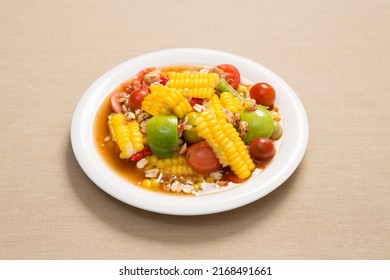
{"x": 188, "y": 129}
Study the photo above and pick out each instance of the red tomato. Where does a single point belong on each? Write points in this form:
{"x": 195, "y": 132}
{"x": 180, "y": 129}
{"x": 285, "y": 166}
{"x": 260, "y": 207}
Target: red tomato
{"x": 262, "y": 149}
{"x": 117, "y": 100}
{"x": 202, "y": 159}
{"x": 136, "y": 98}
{"x": 232, "y": 76}
{"x": 263, "y": 93}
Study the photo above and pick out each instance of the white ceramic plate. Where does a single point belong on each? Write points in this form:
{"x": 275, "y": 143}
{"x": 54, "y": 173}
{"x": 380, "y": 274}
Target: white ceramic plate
{"x": 289, "y": 156}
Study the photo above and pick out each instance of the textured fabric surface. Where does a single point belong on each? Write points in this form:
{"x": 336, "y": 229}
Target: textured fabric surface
{"x": 334, "y": 54}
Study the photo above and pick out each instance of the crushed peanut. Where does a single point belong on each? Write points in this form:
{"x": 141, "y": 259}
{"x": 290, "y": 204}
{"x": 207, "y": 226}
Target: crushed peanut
{"x": 243, "y": 128}
{"x": 142, "y": 163}
{"x": 152, "y": 173}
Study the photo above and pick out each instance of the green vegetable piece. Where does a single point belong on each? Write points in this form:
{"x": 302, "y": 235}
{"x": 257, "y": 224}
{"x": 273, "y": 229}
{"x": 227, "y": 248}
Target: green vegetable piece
{"x": 260, "y": 123}
{"x": 278, "y": 131}
{"x": 163, "y": 135}
{"x": 223, "y": 86}
{"x": 191, "y": 135}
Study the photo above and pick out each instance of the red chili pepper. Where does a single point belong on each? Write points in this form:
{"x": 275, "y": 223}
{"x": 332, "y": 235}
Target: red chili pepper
{"x": 163, "y": 81}
{"x": 141, "y": 154}
{"x": 233, "y": 178}
{"x": 193, "y": 101}
{"x": 180, "y": 128}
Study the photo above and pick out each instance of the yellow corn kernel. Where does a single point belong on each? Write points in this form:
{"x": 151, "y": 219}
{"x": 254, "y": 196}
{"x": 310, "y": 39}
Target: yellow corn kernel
{"x": 250, "y": 104}
{"x": 155, "y": 183}
{"x": 202, "y": 93}
{"x": 164, "y": 162}
{"x": 243, "y": 89}
{"x": 175, "y": 160}
{"x": 153, "y": 106}
{"x": 178, "y": 170}
{"x": 205, "y": 123}
{"x": 192, "y": 80}
{"x": 146, "y": 183}
{"x": 276, "y": 115}
{"x": 126, "y": 134}
{"x": 217, "y": 107}
{"x": 203, "y": 130}
{"x": 197, "y": 186}
{"x": 171, "y": 166}
{"x": 160, "y": 164}
{"x": 228, "y": 146}
{"x": 136, "y": 136}
{"x": 164, "y": 100}
{"x": 208, "y": 179}
{"x": 181, "y": 160}
{"x": 182, "y": 109}
{"x": 231, "y": 102}
{"x": 152, "y": 160}
{"x": 247, "y": 105}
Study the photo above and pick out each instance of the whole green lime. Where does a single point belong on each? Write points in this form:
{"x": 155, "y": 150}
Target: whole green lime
{"x": 260, "y": 123}
{"x": 163, "y": 136}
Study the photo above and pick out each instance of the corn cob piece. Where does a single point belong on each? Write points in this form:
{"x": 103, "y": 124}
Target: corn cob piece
{"x": 230, "y": 102}
{"x": 178, "y": 170}
{"x": 202, "y": 93}
{"x": 192, "y": 80}
{"x": 226, "y": 143}
{"x": 154, "y": 107}
{"x": 126, "y": 134}
{"x": 217, "y": 107}
{"x": 164, "y": 100}
{"x": 171, "y": 166}
{"x": 136, "y": 136}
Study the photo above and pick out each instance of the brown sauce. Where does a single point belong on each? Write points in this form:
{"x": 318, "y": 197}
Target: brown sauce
{"x": 109, "y": 150}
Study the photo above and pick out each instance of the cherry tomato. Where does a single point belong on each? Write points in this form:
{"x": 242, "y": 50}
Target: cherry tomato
{"x": 136, "y": 98}
{"x": 263, "y": 93}
{"x": 117, "y": 100}
{"x": 202, "y": 159}
{"x": 262, "y": 149}
{"x": 231, "y": 74}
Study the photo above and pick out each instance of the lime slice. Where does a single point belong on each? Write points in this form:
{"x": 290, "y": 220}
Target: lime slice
{"x": 163, "y": 136}
{"x": 191, "y": 135}
{"x": 260, "y": 123}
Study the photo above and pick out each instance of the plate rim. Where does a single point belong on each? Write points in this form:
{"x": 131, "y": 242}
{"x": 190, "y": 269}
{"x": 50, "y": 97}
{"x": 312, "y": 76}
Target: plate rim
{"x": 229, "y": 202}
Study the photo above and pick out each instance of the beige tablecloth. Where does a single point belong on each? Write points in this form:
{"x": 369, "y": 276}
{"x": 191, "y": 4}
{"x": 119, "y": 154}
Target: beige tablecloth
{"x": 336, "y": 56}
